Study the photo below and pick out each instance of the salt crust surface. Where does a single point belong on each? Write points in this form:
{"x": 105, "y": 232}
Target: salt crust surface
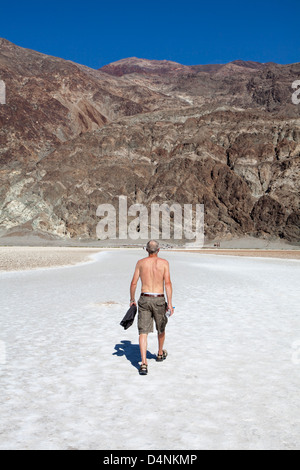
{"x": 231, "y": 381}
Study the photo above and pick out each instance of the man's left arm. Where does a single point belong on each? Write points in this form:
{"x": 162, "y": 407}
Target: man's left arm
{"x": 133, "y": 284}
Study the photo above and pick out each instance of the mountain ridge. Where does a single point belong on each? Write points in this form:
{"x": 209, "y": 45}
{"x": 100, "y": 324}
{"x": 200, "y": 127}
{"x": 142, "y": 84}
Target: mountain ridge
{"x": 72, "y": 137}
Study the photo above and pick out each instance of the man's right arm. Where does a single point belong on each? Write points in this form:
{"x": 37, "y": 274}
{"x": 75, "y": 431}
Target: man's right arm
{"x": 168, "y": 287}
{"x": 133, "y": 284}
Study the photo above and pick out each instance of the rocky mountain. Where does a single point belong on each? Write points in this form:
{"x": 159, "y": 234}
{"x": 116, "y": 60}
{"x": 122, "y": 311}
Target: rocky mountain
{"x": 71, "y": 138}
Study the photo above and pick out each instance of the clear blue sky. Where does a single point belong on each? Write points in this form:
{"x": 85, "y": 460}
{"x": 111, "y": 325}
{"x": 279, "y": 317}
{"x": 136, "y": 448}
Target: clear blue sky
{"x": 95, "y": 33}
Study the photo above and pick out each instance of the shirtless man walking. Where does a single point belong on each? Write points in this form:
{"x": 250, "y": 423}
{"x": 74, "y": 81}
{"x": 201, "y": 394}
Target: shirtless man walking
{"x": 154, "y": 273}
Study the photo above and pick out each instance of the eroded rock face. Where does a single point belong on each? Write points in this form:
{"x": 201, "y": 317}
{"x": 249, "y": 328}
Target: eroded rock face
{"x": 227, "y": 136}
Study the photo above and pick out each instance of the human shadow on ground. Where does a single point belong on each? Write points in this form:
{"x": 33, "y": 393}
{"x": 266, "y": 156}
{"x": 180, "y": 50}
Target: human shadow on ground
{"x": 131, "y": 352}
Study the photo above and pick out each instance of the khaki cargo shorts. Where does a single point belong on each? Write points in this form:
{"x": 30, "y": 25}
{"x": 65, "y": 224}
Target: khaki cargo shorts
{"x": 151, "y": 308}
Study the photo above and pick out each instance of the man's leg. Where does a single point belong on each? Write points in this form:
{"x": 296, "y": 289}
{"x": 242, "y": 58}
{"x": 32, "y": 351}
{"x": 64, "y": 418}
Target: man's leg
{"x": 161, "y": 340}
{"x": 143, "y": 347}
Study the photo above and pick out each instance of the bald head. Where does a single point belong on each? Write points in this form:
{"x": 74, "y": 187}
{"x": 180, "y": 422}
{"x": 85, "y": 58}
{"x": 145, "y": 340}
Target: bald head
{"x": 152, "y": 247}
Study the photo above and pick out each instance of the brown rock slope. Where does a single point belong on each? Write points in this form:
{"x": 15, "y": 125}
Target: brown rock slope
{"x": 71, "y": 138}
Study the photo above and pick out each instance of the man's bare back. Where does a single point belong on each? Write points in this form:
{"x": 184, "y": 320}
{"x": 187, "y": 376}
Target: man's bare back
{"x": 152, "y": 273}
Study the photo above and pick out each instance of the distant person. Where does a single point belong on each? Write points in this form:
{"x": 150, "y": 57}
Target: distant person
{"x": 154, "y": 273}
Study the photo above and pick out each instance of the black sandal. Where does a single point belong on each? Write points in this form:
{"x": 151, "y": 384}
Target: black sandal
{"x": 161, "y": 357}
{"x": 143, "y": 370}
